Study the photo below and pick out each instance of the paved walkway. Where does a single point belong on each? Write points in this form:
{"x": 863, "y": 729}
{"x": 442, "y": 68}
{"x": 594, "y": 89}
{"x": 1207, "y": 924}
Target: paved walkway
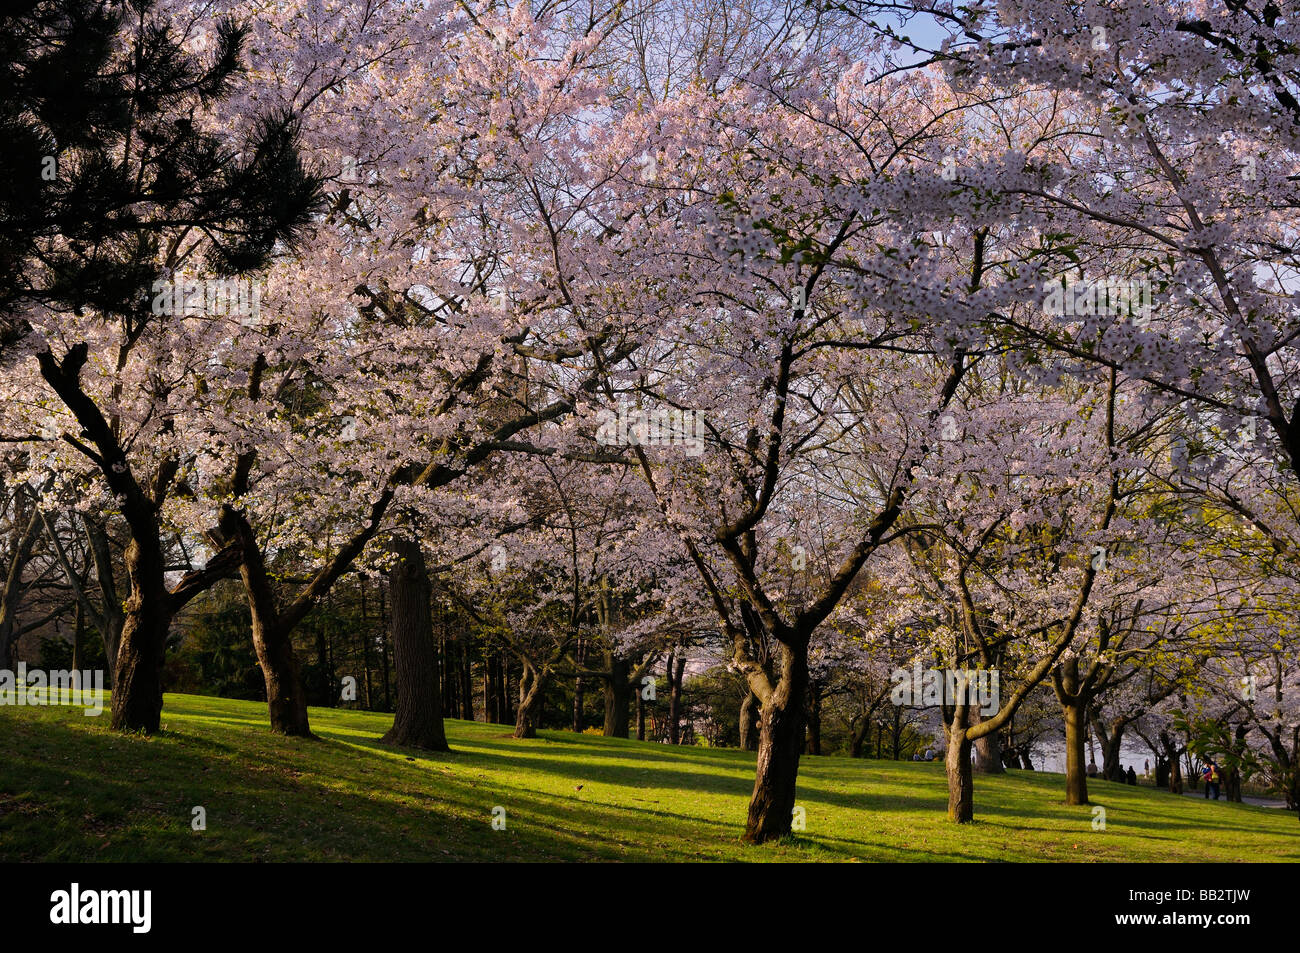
{"x": 1245, "y": 798}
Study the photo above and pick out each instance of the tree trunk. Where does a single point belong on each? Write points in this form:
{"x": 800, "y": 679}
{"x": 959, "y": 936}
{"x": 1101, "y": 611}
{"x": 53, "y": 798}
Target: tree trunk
{"x": 675, "y": 672}
{"x": 815, "y": 721}
{"x": 530, "y": 694}
{"x": 1110, "y": 752}
{"x": 466, "y": 684}
{"x": 780, "y": 741}
{"x": 111, "y": 618}
{"x": 640, "y": 717}
{"x": 749, "y": 715}
{"x": 1171, "y": 755}
{"x": 137, "y": 683}
{"x": 858, "y": 738}
{"x": 988, "y": 754}
{"x": 504, "y": 706}
{"x": 11, "y": 594}
{"x": 78, "y": 638}
{"x": 618, "y": 692}
{"x": 285, "y": 697}
{"x": 418, "y": 721}
{"x": 579, "y": 692}
{"x": 957, "y": 764}
{"x": 1076, "y": 733}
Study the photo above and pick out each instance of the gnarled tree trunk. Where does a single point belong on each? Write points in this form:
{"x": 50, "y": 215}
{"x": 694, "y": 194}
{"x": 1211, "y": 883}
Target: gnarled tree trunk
{"x": 780, "y": 742}
{"x": 531, "y": 685}
{"x": 137, "y": 683}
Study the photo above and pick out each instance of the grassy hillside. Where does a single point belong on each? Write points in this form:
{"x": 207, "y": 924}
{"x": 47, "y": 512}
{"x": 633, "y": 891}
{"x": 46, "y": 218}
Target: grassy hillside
{"x": 72, "y": 790}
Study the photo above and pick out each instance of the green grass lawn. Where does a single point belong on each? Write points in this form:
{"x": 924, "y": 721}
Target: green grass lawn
{"x": 71, "y": 790}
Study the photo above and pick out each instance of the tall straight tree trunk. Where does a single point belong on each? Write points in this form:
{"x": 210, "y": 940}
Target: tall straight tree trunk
{"x": 814, "y": 727}
{"x": 110, "y": 617}
{"x": 322, "y": 659}
{"x": 780, "y": 742}
{"x": 578, "y": 692}
{"x": 78, "y": 637}
{"x": 384, "y": 659}
{"x": 640, "y": 717}
{"x": 957, "y": 765}
{"x": 618, "y": 695}
{"x": 491, "y": 696}
{"x": 749, "y": 715}
{"x": 675, "y": 672}
{"x": 418, "y": 721}
{"x": 1076, "y": 732}
{"x": 503, "y": 686}
{"x": 466, "y": 685}
{"x": 11, "y": 594}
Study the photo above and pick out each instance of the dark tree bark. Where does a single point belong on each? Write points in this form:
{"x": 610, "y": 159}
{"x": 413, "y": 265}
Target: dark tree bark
{"x": 640, "y": 717}
{"x": 78, "y": 638}
{"x": 617, "y": 708}
{"x": 491, "y": 697}
{"x": 1171, "y": 757}
{"x": 676, "y": 669}
{"x": 504, "y": 704}
{"x": 858, "y": 736}
{"x": 1111, "y": 737}
{"x": 150, "y": 606}
{"x": 1231, "y": 769}
{"x": 1076, "y": 773}
{"x": 618, "y": 696}
{"x": 466, "y": 683}
{"x": 137, "y": 684}
{"x": 107, "y": 617}
{"x": 418, "y": 721}
{"x": 22, "y": 544}
{"x": 814, "y": 726}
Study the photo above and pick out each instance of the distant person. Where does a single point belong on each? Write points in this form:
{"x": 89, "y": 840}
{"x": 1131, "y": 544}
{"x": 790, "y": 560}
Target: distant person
{"x": 1146, "y": 768}
{"x": 916, "y": 756}
{"x": 1092, "y": 768}
{"x": 1212, "y": 780}
{"x": 1205, "y": 777}
{"x": 1131, "y": 776}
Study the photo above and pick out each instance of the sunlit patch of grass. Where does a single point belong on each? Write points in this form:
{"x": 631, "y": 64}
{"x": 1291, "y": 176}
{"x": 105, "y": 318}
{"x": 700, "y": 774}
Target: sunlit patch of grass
{"x": 70, "y": 789}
